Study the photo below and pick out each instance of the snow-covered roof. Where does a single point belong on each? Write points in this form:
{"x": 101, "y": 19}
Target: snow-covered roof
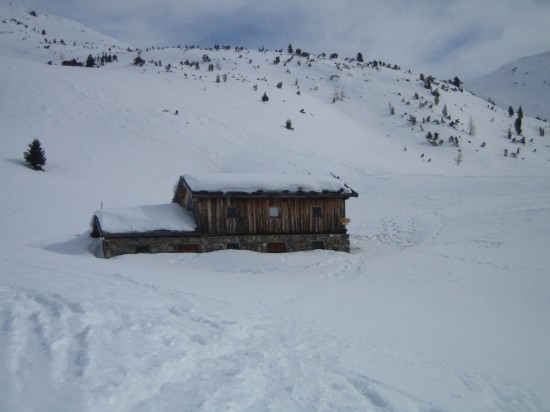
{"x": 266, "y": 183}
{"x": 170, "y": 217}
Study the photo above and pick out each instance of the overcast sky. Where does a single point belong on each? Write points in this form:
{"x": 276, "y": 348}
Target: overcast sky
{"x": 445, "y": 38}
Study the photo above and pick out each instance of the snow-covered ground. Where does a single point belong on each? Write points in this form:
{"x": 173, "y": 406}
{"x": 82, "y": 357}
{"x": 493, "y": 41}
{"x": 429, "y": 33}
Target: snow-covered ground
{"x": 443, "y": 304}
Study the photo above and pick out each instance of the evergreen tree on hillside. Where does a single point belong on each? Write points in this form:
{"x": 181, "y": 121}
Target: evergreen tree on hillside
{"x": 520, "y": 112}
{"x": 90, "y": 61}
{"x": 510, "y": 111}
{"x": 471, "y": 127}
{"x": 35, "y": 156}
{"x": 290, "y": 49}
{"x": 265, "y": 98}
{"x": 360, "y": 57}
{"x": 517, "y": 124}
{"x": 138, "y": 61}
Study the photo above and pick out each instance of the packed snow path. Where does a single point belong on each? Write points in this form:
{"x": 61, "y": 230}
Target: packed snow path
{"x": 442, "y": 305}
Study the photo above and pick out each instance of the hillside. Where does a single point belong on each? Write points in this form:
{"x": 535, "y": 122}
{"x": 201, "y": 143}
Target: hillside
{"x": 442, "y": 304}
{"x": 523, "y": 82}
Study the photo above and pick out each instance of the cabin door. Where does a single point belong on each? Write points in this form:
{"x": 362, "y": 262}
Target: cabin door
{"x": 188, "y": 248}
{"x": 275, "y": 247}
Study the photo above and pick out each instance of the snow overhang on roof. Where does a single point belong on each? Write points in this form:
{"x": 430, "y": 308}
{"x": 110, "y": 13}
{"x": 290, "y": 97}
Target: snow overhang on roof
{"x": 267, "y": 184}
{"x": 169, "y": 217}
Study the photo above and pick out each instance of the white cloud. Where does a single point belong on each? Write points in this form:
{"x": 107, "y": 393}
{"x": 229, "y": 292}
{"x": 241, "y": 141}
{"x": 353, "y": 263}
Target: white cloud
{"x": 445, "y": 38}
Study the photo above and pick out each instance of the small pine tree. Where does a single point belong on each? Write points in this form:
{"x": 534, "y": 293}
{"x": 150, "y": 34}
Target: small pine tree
{"x": 520, "y": 112}
{"x": 138, "y": 61}
{"x": 290, "y": 49}
{"x": 289, "y": 124}
{"x": 471, "y": 127}
{"x": 445, "y": 112}
{"x": 90, "y": 61}
{"x": 541, "y": 131}
{"x": 510, "y": 111}
{"x": 265, "y": 98}
{"x": 360, "y": 57}
{"x": 458, "y": 158}
{"x": 436, "y": 96}
{"x": 517, "y": 124}
{"x": 35, "y": 156}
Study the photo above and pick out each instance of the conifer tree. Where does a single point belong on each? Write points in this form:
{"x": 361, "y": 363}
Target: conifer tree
{"x": 510, "y": 111}
{"x": 90, "y": 61}
{"x": 517, "y": 124}
{"x": 520, "y": 112}
{"x": 35, "y": 156}
{"x": 471, "y": 127}
{"x": 265, "y": 98}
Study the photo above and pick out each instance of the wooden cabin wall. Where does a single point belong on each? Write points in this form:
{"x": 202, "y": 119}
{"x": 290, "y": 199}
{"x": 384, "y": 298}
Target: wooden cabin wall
{"x": 296, "y": 215}
{"x": 182, "y": 197}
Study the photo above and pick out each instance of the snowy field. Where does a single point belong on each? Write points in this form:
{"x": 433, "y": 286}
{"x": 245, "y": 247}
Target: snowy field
{"x": 442, "y": 305}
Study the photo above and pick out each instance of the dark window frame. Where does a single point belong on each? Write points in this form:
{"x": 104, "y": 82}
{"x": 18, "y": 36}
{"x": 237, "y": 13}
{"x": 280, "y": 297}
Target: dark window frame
{"x": 317, "y": 211}
{"x": 143, "y": 249}
{"x": 273, "y": 209}
{"x": 232, "y": 213}
{"x": 317, "y": 245}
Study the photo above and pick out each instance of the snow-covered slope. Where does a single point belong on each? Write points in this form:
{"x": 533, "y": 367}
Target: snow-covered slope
{"x": 524, "y": 82}
{"x": 442, "y": 304}
{"x": 32, "y": 35}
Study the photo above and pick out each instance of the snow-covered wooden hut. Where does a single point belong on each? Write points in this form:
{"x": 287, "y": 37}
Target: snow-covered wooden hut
{"x": 259, "y": 212}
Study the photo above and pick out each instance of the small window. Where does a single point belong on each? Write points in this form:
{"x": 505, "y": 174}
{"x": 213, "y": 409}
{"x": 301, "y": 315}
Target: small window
{"x": 232, "y": 213}
{"x": 317, "y": 211}
{"x": 274, "y": 212}
{"x": 142, "y": 249}
{"x": 233, "y": 246}
{"x": 317, "y": 244}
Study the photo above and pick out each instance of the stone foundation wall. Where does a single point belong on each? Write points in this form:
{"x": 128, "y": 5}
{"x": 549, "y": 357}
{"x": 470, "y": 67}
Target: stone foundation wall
{"x": 257, "y": 243}
{"x": 294, "y": 243}
{"x": 126, "y": 246}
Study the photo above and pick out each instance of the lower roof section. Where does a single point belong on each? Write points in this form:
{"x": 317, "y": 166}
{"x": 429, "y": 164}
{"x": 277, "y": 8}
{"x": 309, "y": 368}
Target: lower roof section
{"x": 169, "y": 217}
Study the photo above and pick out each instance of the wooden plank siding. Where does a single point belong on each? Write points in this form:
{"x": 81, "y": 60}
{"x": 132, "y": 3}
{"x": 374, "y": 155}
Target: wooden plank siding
{"x": 295, "y": 215}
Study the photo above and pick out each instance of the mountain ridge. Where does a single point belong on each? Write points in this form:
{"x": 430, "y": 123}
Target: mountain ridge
{"x": 523, "y": 82}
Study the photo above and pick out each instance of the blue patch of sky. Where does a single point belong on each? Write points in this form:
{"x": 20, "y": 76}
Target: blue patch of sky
{"x": 454, "y": 44}
{"x": 248, "y": 28}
